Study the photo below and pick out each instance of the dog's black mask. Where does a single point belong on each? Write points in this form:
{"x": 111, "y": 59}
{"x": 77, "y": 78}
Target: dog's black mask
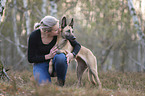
{"x": 70, "y": 37}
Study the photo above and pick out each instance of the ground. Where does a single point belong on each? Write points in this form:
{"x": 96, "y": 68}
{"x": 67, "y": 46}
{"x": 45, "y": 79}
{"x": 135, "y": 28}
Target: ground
{"x": 114, "y": 84}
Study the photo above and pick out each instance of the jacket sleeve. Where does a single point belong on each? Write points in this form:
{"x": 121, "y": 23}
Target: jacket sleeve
{"x": 76, "y": 46}
{"x": 33, "y": 57}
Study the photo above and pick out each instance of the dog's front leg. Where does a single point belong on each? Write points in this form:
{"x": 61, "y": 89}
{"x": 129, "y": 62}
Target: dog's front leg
{"x": 50, "y": 66}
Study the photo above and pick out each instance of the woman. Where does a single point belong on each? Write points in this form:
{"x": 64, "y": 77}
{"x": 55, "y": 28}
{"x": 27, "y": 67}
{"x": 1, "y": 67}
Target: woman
{"x": 41, "y": 48}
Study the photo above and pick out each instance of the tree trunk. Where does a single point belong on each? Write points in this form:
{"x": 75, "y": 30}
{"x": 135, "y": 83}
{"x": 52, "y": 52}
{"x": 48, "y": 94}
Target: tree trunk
{"x": 137, "y": 26}
{"x": 139, "y": 55}
{"x": 143, "y": 47}
{"x": 136, "y": 21}
{"x": 53, "y": 8}
{"x": 1, "y": 50}
{"x": 27, "y": 17}
{"x": 2, "y": 5}
{"x": 116, "y": 60}
{"x": 15, "y": 30}
{"x": 44, "y": 6}
{"x": 110, "y": 61}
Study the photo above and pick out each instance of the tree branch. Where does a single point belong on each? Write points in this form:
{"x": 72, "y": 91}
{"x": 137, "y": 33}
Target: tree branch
{"x": 136, "y": 62}
{"x": 107, "y": 51}
{"x": 22, "y": 46}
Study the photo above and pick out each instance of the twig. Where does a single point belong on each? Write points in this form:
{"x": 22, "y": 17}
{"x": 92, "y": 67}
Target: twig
{"x": 21, "y": 59}
{"x": 3, "y": 73}
{"x": 38, "y": 11}
{"x": 136, "y": 62}
{"x": 22, "y": 46}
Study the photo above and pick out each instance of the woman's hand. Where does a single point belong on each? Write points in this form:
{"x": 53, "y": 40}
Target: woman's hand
{"x": 69, "y": 57}
{"x": 52, "y": 53}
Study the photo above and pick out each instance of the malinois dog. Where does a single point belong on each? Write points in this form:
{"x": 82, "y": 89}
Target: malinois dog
{"x": 85, "y": 58}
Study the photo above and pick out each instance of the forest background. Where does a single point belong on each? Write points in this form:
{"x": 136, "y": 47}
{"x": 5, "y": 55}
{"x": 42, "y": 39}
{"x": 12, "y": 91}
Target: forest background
{"x": 104, "y": 26}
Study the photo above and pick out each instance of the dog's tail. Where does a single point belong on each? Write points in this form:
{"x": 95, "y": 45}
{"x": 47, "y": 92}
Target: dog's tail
{"x": 93, "y": 76}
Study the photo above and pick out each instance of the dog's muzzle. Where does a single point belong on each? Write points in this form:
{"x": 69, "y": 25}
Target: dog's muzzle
{"x": 71, "y": 37}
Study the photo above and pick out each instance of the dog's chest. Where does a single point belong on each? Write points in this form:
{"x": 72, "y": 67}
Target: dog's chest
{"x": 67, "y": 47}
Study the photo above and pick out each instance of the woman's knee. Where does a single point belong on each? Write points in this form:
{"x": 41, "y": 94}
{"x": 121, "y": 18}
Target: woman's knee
{"x": 60, "y": 58}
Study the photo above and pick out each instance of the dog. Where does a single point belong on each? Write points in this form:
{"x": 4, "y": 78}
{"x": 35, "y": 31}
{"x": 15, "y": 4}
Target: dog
{"x": 84, "y": 58}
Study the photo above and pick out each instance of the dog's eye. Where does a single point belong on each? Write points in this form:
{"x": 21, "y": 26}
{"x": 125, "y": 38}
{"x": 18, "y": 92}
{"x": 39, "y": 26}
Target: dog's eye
{"x": 68, "y": 31}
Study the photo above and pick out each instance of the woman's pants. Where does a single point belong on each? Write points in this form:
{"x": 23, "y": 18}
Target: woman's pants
{"x": 41, "y": 73}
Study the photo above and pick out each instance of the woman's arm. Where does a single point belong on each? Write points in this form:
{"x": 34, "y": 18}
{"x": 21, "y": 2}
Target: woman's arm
{"x": 76, "y": 47}
{"x": 32, "y": 51}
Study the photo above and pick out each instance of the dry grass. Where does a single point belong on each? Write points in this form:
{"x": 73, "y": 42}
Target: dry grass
{"x": 114, "y": 84}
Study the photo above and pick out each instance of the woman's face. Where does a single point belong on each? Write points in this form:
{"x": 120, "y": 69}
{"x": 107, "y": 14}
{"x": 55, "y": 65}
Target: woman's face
{"x": 55, "y": 30}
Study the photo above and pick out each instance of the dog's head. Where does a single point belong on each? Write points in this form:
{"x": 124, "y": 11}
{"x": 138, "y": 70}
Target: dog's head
{"x": 67, "y": 30}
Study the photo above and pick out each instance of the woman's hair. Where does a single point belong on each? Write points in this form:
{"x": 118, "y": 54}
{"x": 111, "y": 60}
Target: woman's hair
{"x": 36, "y": 25}
{"x": 47, "y": 23}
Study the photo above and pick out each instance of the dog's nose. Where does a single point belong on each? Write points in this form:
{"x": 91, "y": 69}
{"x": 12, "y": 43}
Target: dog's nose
{"x": 74, "y": 37}
{"x": 70, "y": 37}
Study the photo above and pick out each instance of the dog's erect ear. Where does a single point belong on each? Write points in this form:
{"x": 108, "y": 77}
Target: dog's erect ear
{"x": 71, "y": 23}
{"x": 63, "y": 23}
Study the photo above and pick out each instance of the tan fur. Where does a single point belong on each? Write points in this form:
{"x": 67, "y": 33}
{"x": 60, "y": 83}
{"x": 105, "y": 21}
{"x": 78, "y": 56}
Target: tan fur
{"x": 85, "y": 59}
